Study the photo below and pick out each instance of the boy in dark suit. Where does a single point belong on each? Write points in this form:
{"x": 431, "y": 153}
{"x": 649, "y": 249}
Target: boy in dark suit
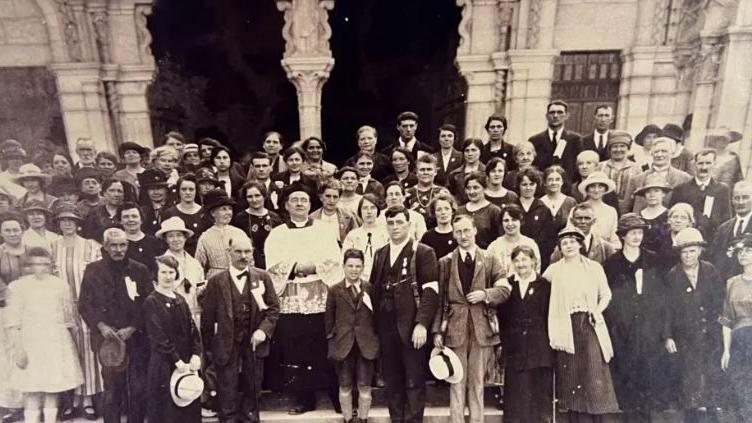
{"x": 351, "y": 333}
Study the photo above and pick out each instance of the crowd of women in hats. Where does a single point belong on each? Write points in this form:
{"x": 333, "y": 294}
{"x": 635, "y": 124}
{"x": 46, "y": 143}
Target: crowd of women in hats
{"x": 629, "y": 261}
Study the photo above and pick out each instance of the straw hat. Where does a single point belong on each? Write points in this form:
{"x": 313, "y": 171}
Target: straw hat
{"x": 688, "y": 237}
{"x": 446, "y": 365}
{"x": 571, "y": 231}
{"x": 185, "y": 387}
{"x": 596, "y": 178}
{"x": 175, "y": 223}
{"x": 31, "y": 171}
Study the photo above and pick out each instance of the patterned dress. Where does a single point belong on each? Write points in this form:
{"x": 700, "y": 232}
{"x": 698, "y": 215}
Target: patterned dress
{"x": 211, "y": 250}
{"x": 71, "y": 256}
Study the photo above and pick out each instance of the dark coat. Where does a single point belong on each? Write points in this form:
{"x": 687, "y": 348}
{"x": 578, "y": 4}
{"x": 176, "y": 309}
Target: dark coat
{"x": 506, "y": 152}
{"x": 419, "y": 146}
{"x": 455, "y": 161}
{"x": 635, "y": 326}
{"x": 382, "y": 166}
{"x": 218, "y": 319}
{"x": 538, "y": 224}
{"x": 544, "y": 151}
{"x": 104, "y": 296}
{"x": 456, "y": 182}
{"x": 407, "y": 314}
{"x": 690, "y": 193}
{"x": 588, "y": 143}
{"x": 372, "y": 186}
{"x": 524, "y": 326}
{"x": 693, "y": 325}
{"x": 727, "y": 266}
{"x": 348, "y": 321}
{"x": 410, "y": 181}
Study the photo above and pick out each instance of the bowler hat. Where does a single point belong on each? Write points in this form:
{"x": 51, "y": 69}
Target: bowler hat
{"x": 446, "y": 365}
{"x": 673, "y": 131}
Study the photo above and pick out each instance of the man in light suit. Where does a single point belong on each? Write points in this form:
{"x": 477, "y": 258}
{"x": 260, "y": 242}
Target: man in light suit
{"x": 660, "y": 151}
{"x": 598, "y": 140}
{"x": 448, "y": 158}
{"x": 710, "y": 199}
{"x": 741, "y": 202}
{"x": 556, "y": 145}
{"x": 239, "y": 314}
{"x": 471, "y": 280}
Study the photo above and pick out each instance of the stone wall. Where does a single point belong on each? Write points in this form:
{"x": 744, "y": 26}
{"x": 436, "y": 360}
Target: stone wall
{"x": 23, "y": 36}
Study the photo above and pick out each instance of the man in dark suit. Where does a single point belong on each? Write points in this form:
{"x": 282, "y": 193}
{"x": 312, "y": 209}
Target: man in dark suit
{"x": 448, "y": 158}
{"x": 741, "y": 202}
{"x": 407, "y": 125}
{"x": 496, "y": 126}
{"x": 87, "y": 153}
{"x": 351, "y": 330}
{"x": 260, "y": 171}
{"x": 113, "y": 290}
{"x": 470, "y": 280}
{"x": 598, "y": 140}
{"x": 710, "y": 199}
{"x": 239, "y": 313}
{"x": 406, "y": 291}
{"x": 556, "y": 145}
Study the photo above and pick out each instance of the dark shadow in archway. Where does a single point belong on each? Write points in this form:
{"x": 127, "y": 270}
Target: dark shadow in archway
{"x": 391, "y": 56}
{"x": 219, "y": 71}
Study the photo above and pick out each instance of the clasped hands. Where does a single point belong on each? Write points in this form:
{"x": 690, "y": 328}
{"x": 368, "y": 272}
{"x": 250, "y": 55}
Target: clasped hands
{"x": 193, "y": 365}
{"x": 109, "y": 332}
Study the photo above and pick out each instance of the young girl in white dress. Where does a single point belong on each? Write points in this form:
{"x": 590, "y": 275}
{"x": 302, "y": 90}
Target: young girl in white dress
{"x": 40, "y": 321}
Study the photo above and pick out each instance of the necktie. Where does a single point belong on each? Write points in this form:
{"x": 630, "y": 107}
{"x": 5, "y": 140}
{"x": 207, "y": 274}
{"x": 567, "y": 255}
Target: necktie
{"x": 354, "y": 291}
{"x": 599, "y": 146}
{"x": 369, "y": 246}
{"x": 468, "y": 260}
{"x": 739, "y": 228}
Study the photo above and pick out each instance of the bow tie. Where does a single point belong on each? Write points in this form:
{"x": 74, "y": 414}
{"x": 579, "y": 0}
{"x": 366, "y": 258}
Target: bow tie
{"x": 243, "y": 274}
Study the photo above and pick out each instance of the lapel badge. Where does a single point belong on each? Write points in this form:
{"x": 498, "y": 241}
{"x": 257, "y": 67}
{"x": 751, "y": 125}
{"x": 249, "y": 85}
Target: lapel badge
{"x": 530, "y": 291}
{"x": 689, "y": 289}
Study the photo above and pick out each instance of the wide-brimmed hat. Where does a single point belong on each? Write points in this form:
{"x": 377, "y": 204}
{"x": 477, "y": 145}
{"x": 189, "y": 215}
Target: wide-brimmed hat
{"x": 31, "y": 171}
{"x": 571, "y": 231}
{"x": 88, "y": 173}
{"x": 617, "y": 136}
{"x": 722, "y": 133}
{"x": 67, "y": 211}
{"x": 738, "y": 243}
{"x": 596, "y": 178}
{"x": 446, "y": 365}
{"x": 185, "y": 387}
{"x": 36, "y": 205}
{"x": 205, "y": 174}
{"x": 688, "y": 237}
{"x": 112, "y": 353}
{"x": 175, "y": 223}
{"x": 654, "y": 181}
{"x": 129, "y": 145}
{"x": 152, "y": 178}
{"x": 629, "y": 221}
{"x": 217, "y": 197}
{"x": 647, "y": 130}
{"x": 675, "y": 132}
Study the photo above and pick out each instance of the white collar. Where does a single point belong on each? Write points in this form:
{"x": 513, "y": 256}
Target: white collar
{"x": 397, "y": 248}
{"x": 596, "y": 133}
{"x": 700, "y": 184}
{"x": 522, "y": 280}
{"x": 357, "y": 284}
{"x": 408, "y": 144}
{"x": 235, "y": 273}
{"x": 558, "y": 133}
{"x": 463, "y": 252}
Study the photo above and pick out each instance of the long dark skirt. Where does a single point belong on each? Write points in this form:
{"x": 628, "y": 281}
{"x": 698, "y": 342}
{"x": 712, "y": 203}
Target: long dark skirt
{"x": 159, "y": 406}
{"x": 297, "y": 361}
{"x": 740, "y": 371}
{"x": 528, "y": 395}
{"x": 583, "y": 379}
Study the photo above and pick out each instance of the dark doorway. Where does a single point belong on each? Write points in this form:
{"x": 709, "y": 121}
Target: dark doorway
{"x": 391, "y": 56}
{"x": 219, "y": 71}
{"x": 586, "y": 80}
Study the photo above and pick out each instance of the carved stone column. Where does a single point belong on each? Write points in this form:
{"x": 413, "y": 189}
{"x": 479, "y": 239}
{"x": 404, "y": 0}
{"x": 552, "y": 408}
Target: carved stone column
{"x": 478, "y": 71}
{"x": 307, "y": 59}
{"x": 711, "y": 54}
{"x": 83, "y": 104}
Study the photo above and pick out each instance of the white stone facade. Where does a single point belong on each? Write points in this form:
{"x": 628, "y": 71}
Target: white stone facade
{"x": 679, "y": 57}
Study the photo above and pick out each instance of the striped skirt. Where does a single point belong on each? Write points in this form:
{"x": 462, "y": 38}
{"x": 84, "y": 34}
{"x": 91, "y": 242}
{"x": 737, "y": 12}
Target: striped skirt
{"x": 583, "y": 379}
{"x": 90, "y": 366}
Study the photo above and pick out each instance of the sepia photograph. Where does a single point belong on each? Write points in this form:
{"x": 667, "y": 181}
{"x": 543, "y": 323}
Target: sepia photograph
{"x": 354, "y": 211}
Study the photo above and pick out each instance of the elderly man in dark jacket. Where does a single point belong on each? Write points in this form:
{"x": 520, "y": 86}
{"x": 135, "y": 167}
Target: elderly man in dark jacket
{"x": 239, "y": 314}
{"x": 111, "y": 300}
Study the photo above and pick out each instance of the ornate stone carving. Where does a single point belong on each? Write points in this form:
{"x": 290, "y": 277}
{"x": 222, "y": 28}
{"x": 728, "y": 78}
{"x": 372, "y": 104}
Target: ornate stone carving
{"x": 143, "y": 36}
{"x": 660, "y": 21}
{"x": 70, "y": 30}
{"x": 99, "y": 22}
{"x": 306, "y": 30}
{"x": 464, "y": 26}
{"x": 500, "y": 89}
{"x": 506, "y": 16}
{"x": 711, "y": 55}
{"x": 533, "y": 24}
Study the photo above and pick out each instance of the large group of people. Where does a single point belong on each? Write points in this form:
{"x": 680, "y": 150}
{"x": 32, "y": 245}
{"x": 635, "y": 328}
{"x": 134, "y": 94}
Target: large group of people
{"x": 590, "y": 275}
